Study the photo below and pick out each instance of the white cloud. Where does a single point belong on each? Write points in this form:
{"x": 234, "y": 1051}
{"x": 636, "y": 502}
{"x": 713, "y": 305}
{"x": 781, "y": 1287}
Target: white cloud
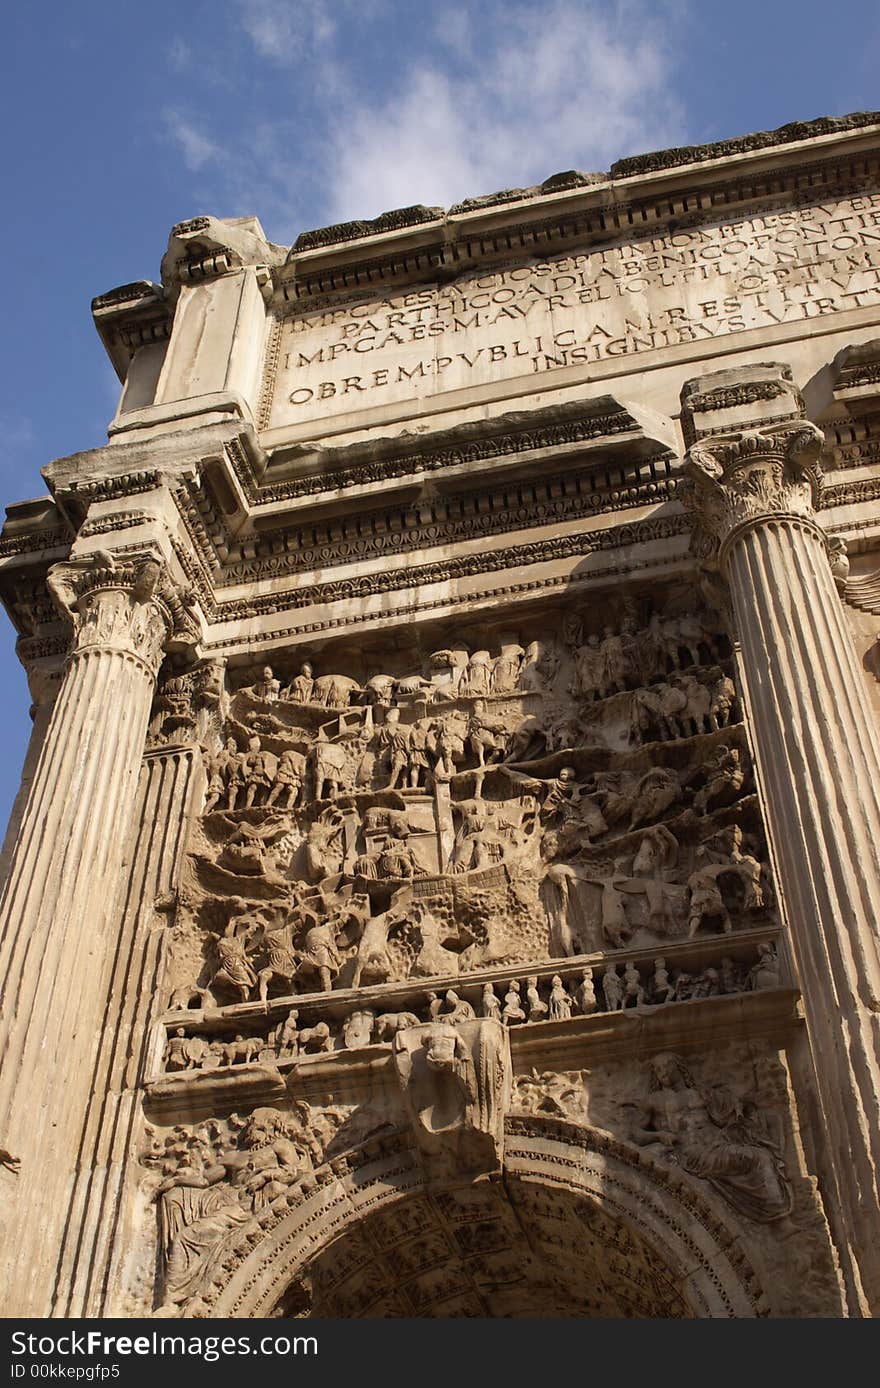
{"x": 287, "y": 31}
{"x": 479, "y": 95}
{"x": 571, "y": 85}
{"x": 197, "y": 148}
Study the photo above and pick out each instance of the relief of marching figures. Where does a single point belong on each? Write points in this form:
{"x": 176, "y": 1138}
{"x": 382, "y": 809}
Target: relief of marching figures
{"x": 576, "y": 991}
{"x": 579, "y": 793}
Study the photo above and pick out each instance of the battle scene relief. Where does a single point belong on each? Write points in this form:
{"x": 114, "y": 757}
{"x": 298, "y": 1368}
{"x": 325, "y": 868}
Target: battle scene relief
{"x": 414, "y": 893}
{"x": 586, "y": 792}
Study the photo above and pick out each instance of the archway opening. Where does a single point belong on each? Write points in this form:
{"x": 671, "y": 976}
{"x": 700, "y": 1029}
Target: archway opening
{"x": 578, "y": 1224}
{"x": 511, "y": 1249}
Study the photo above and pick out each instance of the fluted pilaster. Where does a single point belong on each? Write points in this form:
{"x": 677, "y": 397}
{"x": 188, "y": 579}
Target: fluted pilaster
{"x": 91, "y": 1268}
{"x": 818, "y": 753}
{"x": 57, "y": 908}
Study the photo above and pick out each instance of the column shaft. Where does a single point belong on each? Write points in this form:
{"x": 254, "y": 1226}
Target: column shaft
{"x": 819, "y": 753}
{"x": 57, "y": 916}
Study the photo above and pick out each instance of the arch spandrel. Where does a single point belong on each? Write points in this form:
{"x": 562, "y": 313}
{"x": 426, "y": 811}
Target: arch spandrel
{"x": 612, "y": 1233}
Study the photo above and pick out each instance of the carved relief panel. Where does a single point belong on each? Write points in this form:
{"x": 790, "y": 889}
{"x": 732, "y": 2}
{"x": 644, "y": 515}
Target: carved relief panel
{"x": 584, "y": 792}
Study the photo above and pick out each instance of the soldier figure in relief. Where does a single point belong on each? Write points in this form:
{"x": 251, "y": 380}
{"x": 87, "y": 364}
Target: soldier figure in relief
{"x": 567, "y": 804}
{"x": 505, "y": 671}
{"x": 215, "y": 768}
{"x": 418, "y": 765}
{"x": 585, "y": 993}
{"x": 612, "y": 987}
{"x": 662, "y": 989}
{"x": 235, "y": 762}
{"x": 512, "y": 1011}
{"x": 393, "y": 740}
{"x": 289, "y": 779}
{"x": 321, "y": 956}
{"x": 560, "y": 1003}
{"x": 589, "y": 669}
{"x": 302, "y": 685}
{"x": 655, "y": 793}
{"x": 259, "y": 771}
{"x": 633, "y": 991}
{"x": 487, "y": 736}
{"x": 458, "y": 1009}
{"x": 723, "y": 698}
{"x": 614, "y": 663}
{"x": 235, "y": 966}
{"x": 477, "y": 680}
{"x": 766, "y": 972}
{"x": 281, "y": 958}
{"x": 537, "y": 1007}
{"x": 330, "y": 765}
{"x": 706, "y": 900}
{"x": 724, "y": 779}
{"x": 268, "y": 687}
{"x": 489, "y": 1005}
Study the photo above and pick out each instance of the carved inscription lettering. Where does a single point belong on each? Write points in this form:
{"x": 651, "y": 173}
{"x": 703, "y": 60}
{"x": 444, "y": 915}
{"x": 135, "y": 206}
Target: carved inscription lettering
{"x": 689, "y": 285}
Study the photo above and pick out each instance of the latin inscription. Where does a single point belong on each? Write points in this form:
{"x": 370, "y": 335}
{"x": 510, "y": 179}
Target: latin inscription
{"x": 687, "y": 286}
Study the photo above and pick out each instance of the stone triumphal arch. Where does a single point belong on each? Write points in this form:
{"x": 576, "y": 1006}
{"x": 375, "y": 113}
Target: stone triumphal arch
{"x": 446, "y": 872}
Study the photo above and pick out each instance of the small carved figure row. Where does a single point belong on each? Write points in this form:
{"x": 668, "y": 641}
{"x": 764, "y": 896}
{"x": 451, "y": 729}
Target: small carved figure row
{"x": 238, "y": 779}
{"x": 627, "y": 658}
{"x": 454, "y": 672}
{"x": 604, "y": 664}
{"x": 682, "y": 707}
{"x": 394, "y": 755}
{"x": 641, "y": 983}
{"x": 587, "y": 809}
{"x": 390, "y": 756}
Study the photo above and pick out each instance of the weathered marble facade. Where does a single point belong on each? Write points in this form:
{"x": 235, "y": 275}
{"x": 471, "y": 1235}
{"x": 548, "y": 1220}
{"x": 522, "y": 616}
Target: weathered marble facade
{"x": 446, "y": 877}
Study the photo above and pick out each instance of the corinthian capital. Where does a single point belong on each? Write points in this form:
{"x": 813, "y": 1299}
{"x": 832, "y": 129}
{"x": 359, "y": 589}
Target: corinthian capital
{"x": 125, "y": 604}
{"x": 739, "y": 479}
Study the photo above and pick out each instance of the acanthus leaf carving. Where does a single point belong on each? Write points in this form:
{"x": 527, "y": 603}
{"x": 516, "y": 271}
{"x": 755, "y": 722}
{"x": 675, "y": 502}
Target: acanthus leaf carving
{"x": 126, "y": 603}
{"x": 735, "y": 480}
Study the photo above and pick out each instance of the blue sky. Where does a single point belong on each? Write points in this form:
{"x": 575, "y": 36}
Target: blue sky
{"x": 120, "y": 119}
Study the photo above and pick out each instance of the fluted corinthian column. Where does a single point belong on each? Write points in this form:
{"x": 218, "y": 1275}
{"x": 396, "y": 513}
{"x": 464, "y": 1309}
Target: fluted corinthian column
{"x": 752, "y": 495}
{"x": 57, "y": 908}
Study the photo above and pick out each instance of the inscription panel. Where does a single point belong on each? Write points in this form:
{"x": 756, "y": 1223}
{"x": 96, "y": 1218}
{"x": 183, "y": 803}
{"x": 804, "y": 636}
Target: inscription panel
{"x": 529, "y": 318}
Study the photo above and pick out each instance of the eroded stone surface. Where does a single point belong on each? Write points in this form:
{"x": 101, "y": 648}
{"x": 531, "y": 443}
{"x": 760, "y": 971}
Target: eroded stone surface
{"x": 445, "y": 873}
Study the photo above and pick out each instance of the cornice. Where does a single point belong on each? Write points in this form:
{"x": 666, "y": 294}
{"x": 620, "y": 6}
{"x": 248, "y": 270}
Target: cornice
{"x": 665, "y": 188}
{"x": 646, "y": 570}
{"x": 631, "y": 167}
{"x": 374, "y": 506}
{"x": 602, "y": 422}
{"x": 132, "y": 316}
{"x": 390, "y": 530}
{"x": 35, "y": 542}
{"x": 578, "y": 544}
{"x": 758, "y": 140}
{"x": 619, "y": 208}
{"x": 209, "y": 574}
